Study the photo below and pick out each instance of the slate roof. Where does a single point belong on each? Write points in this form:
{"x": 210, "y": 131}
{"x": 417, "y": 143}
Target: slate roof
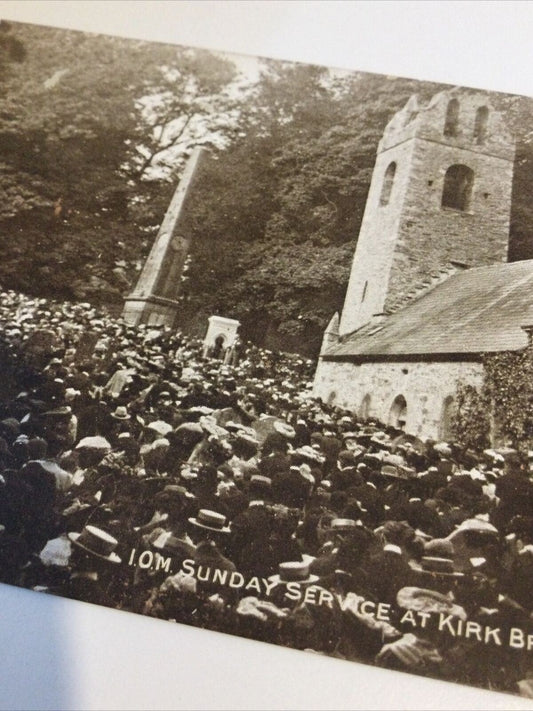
{"x": 480, "y": 310}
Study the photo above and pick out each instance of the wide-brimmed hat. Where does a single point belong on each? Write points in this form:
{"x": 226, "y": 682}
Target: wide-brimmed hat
{"x": 284, "y": 429}
{"x": 210, "y": 426}
{"x": 309, "y": 453}
{"x": 97, "y": 542}
{"x": 247, "y": 438}
{"x": 424, "y": 600}
{"x": 160, "y": 427}
{"x": 434, "y": 567}
{"x": 294, "y": 572}
{"x": 474, "y": 524}
{"x": 210, "y": 521}
{"x": 174, "y": 491}
{"x": 121, "y": 413}
{"x": 59, "y": 412}
{"x": 394, "y": 472}
{"x": 96, "y": 443}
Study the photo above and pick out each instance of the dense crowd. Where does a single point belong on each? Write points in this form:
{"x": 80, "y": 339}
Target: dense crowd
{"x": 137, "y": 472}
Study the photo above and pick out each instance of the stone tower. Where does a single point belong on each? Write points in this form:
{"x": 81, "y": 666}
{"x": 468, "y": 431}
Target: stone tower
{"x": 440, "y": 193}
{"x": 154, "y": 298}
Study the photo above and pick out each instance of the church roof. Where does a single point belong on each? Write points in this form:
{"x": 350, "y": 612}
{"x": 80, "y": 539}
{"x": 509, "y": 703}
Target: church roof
{"x": 480, "y": 310}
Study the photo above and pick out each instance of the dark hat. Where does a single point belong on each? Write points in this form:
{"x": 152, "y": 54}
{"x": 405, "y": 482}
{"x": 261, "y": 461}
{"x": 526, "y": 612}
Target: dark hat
{"x": 294, "y": 572}
{"x": 97, "y": 542}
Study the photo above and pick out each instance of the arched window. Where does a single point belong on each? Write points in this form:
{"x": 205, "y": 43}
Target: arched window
{"x": 458, "y": 183}
{"x": 480, "y": 125}
{"x": 364, "y": 410}
{"x": 446, "y": 418}
{"x": 451, "y": 122}
{"x": 398, "y": 412}
{"x": 388, "y": 180}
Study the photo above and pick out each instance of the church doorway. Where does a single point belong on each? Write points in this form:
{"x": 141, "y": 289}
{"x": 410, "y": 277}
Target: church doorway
{"x": 398, "y": 412}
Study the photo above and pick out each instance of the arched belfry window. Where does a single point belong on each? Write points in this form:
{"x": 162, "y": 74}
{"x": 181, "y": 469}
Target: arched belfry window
{"x": 388, "y": 180}
{"x": 480, "y": 125}
{"x": 398, "y": 412}
{"x": 451, "y": 122}
{"x": 458, "y": 183}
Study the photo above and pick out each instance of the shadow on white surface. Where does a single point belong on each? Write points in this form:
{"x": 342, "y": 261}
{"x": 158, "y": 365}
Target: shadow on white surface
{"x": 62, "y": 654}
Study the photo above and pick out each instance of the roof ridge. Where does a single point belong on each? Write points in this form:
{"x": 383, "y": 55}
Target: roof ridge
{"x": 427, "y": 284}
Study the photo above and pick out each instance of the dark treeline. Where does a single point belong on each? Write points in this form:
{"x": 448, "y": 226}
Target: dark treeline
{"x": 93, "y": 134}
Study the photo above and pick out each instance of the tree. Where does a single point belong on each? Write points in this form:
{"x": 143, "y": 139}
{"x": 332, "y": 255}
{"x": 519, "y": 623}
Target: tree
{"x": 85, "y": 130}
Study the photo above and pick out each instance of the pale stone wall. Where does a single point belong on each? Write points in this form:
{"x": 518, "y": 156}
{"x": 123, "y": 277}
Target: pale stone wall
{"x": 221, "y": 326}
{"x": 377, "y": 241}
{"x": 375, "y": 386}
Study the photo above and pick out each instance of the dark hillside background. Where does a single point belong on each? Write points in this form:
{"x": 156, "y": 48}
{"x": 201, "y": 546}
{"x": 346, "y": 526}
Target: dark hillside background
{"x": 94, "y": 131}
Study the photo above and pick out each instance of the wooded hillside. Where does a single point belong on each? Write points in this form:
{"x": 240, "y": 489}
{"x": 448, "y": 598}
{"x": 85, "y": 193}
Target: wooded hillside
{"x": 94, "y": 131}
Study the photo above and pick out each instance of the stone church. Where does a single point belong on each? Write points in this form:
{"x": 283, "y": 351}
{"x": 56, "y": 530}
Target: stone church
{"x": 430, "y": 289}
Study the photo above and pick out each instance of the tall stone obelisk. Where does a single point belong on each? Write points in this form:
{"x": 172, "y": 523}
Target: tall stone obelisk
{"x": 154, "y": 298}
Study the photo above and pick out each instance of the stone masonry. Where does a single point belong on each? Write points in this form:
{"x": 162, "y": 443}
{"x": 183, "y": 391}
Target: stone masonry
{"x": 370, "y": 389}
{"x": 404, "y": 240}
{"x": 154, "y": 298}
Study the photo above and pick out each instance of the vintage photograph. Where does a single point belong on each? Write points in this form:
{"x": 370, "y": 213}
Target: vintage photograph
{"x": 266, "y": 356}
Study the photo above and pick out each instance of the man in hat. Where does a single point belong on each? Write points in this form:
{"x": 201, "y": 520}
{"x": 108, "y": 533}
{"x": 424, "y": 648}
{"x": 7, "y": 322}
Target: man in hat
{"x": 93, "y": 567}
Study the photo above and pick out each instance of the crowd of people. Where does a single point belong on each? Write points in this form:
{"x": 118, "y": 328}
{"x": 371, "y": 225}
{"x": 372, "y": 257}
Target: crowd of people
{"x": 139, "y": 473}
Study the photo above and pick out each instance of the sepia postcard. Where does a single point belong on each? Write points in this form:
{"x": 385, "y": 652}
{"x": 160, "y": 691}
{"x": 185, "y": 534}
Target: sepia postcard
{"x": 266, "y": 350}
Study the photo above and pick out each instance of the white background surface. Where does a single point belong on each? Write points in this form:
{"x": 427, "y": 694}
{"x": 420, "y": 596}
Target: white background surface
{"x": 60, "y": 654}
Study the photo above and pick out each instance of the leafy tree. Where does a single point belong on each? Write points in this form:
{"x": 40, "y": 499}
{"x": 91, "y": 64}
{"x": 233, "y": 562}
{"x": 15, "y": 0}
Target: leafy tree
{"x": 85, "y": 130}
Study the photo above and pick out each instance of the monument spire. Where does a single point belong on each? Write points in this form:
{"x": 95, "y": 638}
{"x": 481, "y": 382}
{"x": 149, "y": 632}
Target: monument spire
{"x": 154, "y": 298}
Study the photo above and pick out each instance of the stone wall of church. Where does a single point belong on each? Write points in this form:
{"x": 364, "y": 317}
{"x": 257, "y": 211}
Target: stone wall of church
{"x": 371, "y": 389}
{"x": 429, "y": 235}
{"x": 369, "y": 278}
{"x": 408, "y": 232}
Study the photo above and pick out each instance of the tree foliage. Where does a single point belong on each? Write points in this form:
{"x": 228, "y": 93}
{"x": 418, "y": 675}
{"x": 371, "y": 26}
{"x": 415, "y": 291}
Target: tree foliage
{"x": 88, "y": 126}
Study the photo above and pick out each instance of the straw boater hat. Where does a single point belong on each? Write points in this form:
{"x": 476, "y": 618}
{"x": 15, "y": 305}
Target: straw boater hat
{"x": 342, "y": 525}
{"x": 96, "y": 542}
{"x": 294, "y": 572}
{"x": 210, "y": 521}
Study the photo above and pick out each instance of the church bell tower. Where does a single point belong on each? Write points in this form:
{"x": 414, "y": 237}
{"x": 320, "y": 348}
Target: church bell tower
{"x": 440, "y": 194}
